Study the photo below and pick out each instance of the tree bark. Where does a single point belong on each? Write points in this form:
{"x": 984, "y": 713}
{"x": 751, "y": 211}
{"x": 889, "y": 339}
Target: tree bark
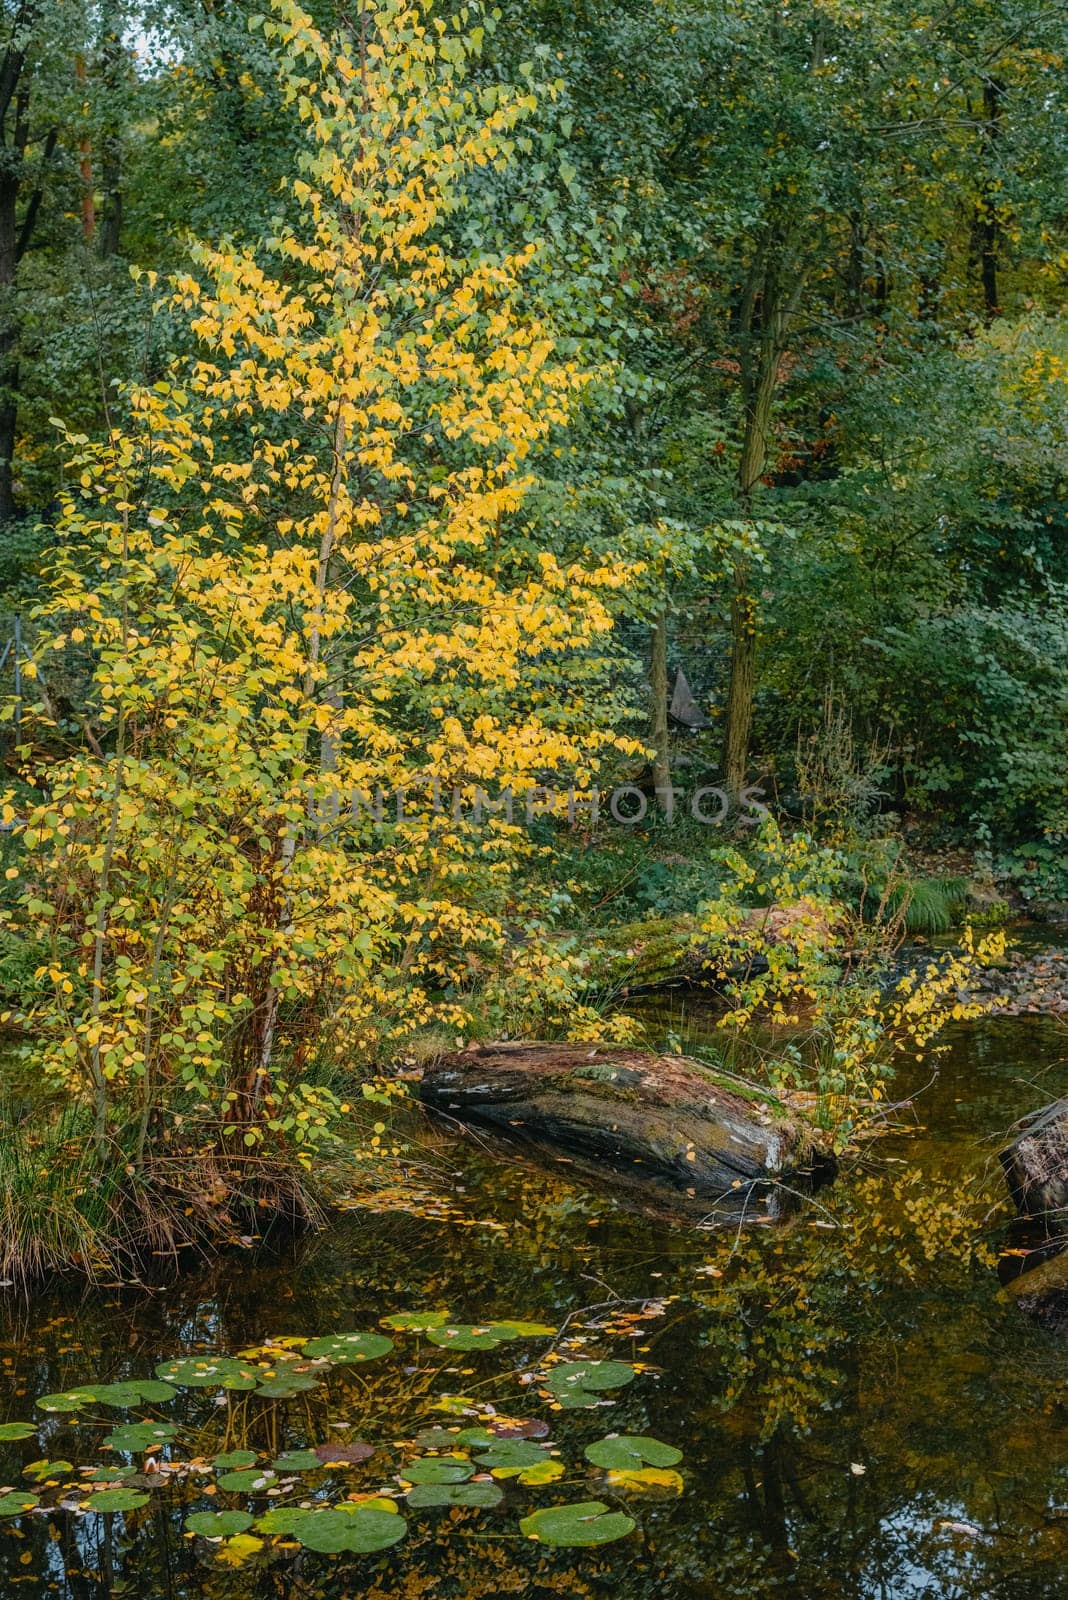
{"x": 628, "y": 1113}
{"x": 658, "y": 696}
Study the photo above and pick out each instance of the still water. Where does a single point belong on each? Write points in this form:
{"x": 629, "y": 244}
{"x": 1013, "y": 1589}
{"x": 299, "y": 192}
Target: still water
{"x": 860, "y": 1413}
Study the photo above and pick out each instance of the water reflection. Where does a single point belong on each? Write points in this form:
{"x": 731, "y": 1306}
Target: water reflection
{"x": 861, "y": 1414}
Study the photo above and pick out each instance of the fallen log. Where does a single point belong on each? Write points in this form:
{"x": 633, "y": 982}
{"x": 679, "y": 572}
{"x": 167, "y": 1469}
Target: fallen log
{"x": 629, "y": 1113}
{"x": 1036, "y": 1166}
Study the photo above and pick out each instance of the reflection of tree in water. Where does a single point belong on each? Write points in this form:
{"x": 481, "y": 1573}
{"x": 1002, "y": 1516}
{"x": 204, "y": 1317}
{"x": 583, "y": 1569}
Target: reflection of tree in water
{"x": 863, "y": 1334}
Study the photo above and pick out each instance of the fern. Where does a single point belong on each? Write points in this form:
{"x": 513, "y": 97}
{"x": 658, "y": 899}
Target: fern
{"x": 928, "y": 905}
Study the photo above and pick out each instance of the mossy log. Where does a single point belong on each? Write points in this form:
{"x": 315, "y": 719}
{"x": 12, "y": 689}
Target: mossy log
{"x": 628, "y": 1112}
{"x": 1036, "y": 1166}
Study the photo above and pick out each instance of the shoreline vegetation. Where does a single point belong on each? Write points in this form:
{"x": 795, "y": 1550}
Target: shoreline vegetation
{"x": 434, "y": 466}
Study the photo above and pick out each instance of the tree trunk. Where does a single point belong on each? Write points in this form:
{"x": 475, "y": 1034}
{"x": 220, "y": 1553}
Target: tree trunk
{"x": 658, "y": 729}
{"x": 628, "y": 1113}
{"x": 987, "y": 211}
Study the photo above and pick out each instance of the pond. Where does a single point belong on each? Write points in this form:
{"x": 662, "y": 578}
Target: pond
{"x": 856, "y": 1410}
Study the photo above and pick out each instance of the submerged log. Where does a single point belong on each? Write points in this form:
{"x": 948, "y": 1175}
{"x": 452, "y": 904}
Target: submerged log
{"x": 628, "y": 1112}
{"x": 1036, "y": 1166}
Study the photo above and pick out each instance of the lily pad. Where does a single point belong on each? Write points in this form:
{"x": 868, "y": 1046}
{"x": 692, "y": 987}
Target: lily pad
{"x": 252, "y": 1481}
{"x": 587, "y": 1523}
{"x": 361, "y": 1530}
{"x": 415, "y": 1321}
{"x": 125, "y": 1395}
{"x": 507, "y": 1458}
{"x": 115, "y": 1474}
{"x": 140, "y": 1436}
{"x": 297, "y": 1461}
{"x": 218, "y": 1524}
{"x": 15, "y": 1503}
{"x": 69, "y": 1400}
{"x": 47, "y": 1469}
{"x": 444, "y": 1438}
{"x": 577, "y": 1383}
{"x": 230, "y": 1460}
{"x": 345, "y": 1347}
{"x": 425, "y": 1495}
{"x": 630, "y": 1453}
{"x": 116, "y": 1500}
{"x": 344, "y": 1455}
{"x": 285, "y": 1385}
{"x": 16, "y": 1430}
{"x": 208, "y": 1372}
{"x": 282, "y": 1519}
{"x": 438, "y": 1469}
{"x": 484, "y": 1336}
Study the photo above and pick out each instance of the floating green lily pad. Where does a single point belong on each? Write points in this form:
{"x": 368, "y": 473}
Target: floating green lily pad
{"x": 587, "y": 1523}
{"x": 16, "y": 1430}
{"x": 297, "y": 1461}
{"x": 577, "y": 1383}
{"x": 47, "y": 1469}
{"x": 253, "y": 1481}
{"x": 140, "y": 1436}
{"x": 218, "y": 1524}
{"x": 438, "y": 1469}
{"x": 426, "y": 1495}
{"x": 484, "y": 1336}
{"x": 444, "y": 1439}
{"x": 506, "y": 1458}
{"x": 361, "y": 1530}
{"x": 284, "y": 1385}
{"x": 230, "y": 1460}
{"x": 629, "y": 1453}
{"x": 15, "y": 1503}
{"x": 208, "y": 1372}
{"x": 116, "y": 1500}
{"x": 282, "y": 1519}
{"x": 345, "y": 1347}
{"x": 69, "y": 1400}
{"x": 126, "y": 1394}
{"x": 415, "y": 1321}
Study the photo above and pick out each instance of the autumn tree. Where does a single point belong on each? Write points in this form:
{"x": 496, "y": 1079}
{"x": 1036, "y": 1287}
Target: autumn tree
{"x": 315, "y": 603}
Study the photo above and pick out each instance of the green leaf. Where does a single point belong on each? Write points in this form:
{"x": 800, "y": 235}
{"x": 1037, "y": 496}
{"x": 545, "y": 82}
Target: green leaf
{"x": 218, "y": 1524}
{"x": 16, "y": 1502}
{"x": 629, "y": 1453}
{"x": 506, "y": 1458}
{"x": 140, "y": 1436}
{"x": 286, "y": 1385}
{"x": 586, "y": 1523}
{"x": 282, "y": 1519}
{"x": 437, "y": 1469}
{"x": 115, "y": 1500}
{"x": 47, "y": 1469}
{"x": 297, "y": 1461}
{"x": 232, "y": 1459}
{"x": 254, "y": 1481}
{"x": 361, "y": 1530}
{"x": 208, "y": 1372}
{"x": 425, "y": 1495}
{"x": 70, "y": 1400}
{"x": 345, "y": 1347}
{"x": 415, "y": 1321}
{"x": 577, "y": 1383}
{"x": 445, "y": 1439}
{"x": 16, "y": 1430}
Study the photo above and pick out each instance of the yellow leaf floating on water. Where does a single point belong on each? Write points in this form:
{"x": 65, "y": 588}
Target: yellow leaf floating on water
{"x": 646, "y": 1478}
{"x": 239, "y": 1549}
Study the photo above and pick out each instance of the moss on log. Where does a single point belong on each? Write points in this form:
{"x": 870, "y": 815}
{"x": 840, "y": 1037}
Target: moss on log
{"x": 628, "y": 1112}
